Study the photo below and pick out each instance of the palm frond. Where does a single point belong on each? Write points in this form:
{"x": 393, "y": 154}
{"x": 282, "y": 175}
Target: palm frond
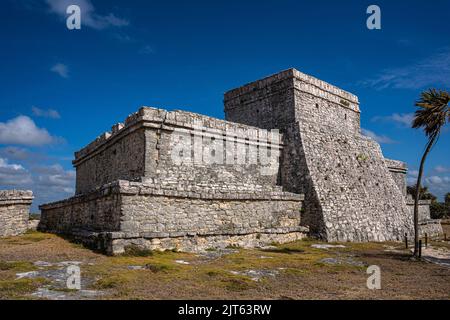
{"x": 433, "y": 112}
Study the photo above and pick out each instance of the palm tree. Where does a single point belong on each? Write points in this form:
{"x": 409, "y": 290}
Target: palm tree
{"x": 433, "y": 113}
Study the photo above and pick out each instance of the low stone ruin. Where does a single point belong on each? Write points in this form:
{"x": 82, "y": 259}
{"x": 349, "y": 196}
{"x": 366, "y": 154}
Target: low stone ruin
{"x": 14, "y": 212}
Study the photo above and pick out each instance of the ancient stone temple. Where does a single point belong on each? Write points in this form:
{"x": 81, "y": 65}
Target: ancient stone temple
{"x": 290, "y": 161}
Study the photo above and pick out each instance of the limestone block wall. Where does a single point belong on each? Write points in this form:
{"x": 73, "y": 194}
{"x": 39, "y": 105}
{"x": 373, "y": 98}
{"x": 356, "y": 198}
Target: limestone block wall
{"x": 99, "y": 210}
{"x": 350, "y": 193}
{"x": 14, "y": 211}
{"x": 272, "y": 103}
{"x": 428, "y": 226}
{"x": 359, "y": 200}
{"x": 207, "y": 150}
{"x": 267, "y": 103}
{"x": 398, "y": 171}
{"x": 424, "y": 208}
{"x": 131, "y": 213}
{"x": 110, "y": 158}
{"x": 209, "y": 215}
{"x": 322, "y": 105}
{"x": 214, "y": 152}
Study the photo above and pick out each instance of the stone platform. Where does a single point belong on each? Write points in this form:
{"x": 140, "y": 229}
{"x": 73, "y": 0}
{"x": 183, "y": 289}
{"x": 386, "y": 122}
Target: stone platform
{"x": 123, "y": 213}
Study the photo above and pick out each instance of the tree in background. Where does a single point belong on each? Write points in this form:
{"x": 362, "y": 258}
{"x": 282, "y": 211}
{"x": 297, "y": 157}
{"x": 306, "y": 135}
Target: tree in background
{"x": 424, "y": 194}
{"x": 432, "y": 114}
{"x": 438, "y": 210}
{"x": 441, "y": 210}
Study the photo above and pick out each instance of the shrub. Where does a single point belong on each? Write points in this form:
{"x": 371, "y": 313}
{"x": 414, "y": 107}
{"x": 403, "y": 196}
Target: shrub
{"x": 439, "y": 210}
{"x": 135, "y": 251}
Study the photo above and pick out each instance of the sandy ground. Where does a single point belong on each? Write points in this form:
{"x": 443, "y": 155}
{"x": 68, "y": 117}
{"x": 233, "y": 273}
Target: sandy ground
{"x": 34, "y": 266}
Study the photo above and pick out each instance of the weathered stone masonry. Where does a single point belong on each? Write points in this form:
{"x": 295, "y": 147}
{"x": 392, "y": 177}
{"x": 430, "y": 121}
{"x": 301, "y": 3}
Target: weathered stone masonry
{"x": 14, "y": 212}
{"x": 327, "y": 179}
{"x": 350, "y": 194}
{"x": 156, "y": 203}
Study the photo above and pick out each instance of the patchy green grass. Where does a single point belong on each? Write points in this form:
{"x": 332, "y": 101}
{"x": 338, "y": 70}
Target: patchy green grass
{"x": 18, "y": 289}
{"x": 135, "y": 251}
{"x": 293, "y": 271}
{"x": 17, "y": 266}
{"x": 155, "y": 268}
{"x": 116, "y": 281}
{"x": 29, "y": 237}
{"x": 238, "y": 284}
{"x": 284, "y": 250}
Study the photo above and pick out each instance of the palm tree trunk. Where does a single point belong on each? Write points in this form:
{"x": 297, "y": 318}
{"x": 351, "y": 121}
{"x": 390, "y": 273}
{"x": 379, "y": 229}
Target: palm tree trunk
{"x": 417, "y": 196}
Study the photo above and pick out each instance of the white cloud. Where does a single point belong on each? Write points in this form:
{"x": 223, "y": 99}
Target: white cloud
{"x": 404, "y": 119}
{"x": 89, "y": 17}
{"x": 22, "y": 130}
{"x": 123, "y": 37}
{"x": 14, "y": 153}
{"x": 48, "y": 182}
{"x": 434, "y": 180}
{"x": 411, "y": 178}
{"x": 441, "y": 169}
{"x": 13, "y": 174}
{"x": 147, "y": 50}
{"x": 438, "y": 185}
{"x": 413, "y": 173}
{"x": 54, "y": 178}
{"x": 380, "y": 139}
{"x": 432, "y": 71}
{"x": 49, "y": 113}
{"x": 61, "y": 69}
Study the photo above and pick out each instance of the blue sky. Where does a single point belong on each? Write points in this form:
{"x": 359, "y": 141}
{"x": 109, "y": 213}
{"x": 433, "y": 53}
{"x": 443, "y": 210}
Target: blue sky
{"x": 61, "y": 88}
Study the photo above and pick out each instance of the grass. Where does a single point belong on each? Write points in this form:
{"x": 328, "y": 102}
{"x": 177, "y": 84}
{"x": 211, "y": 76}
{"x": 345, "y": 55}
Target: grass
{"x": 29, "y": 237}
{"x": 135, "y": 251}
{"x": 115, "y": 281}
{"x": 16, "y": 289}
{"x": 284, "y": 250}
{"x": 17, "y": 266}
{"x": 297, "y": 268}
{"x": 238, "y": 284}
{"x": 155, "y": 268}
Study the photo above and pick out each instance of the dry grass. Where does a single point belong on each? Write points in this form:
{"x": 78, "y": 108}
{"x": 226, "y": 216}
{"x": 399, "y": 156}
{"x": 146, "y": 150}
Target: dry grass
{"x": 299, "y": 272}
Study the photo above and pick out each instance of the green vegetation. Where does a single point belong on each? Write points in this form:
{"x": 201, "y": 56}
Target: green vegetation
{"x": 17, "y": 289}
{"x": 438, "y": 210}
{"x": 345, "y": 102}
{"x": 35, "y": 216}
{"x": 155, "y": 268}
{"x": 362, "y": 157}
{"x": 17, "y": 266}
{"x": 433, "y": 112}
{"x": 425, "y": 194}
{"x": 29, "y": 237}
{"x": 135, "y": 251}
{"x": 289, "y": 271}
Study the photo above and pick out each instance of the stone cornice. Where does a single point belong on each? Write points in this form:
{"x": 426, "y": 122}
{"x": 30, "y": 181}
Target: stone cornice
{"x": 122, "y": 187}
{"x": 10, "y": 197}
{"x": 160, "y": 119}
